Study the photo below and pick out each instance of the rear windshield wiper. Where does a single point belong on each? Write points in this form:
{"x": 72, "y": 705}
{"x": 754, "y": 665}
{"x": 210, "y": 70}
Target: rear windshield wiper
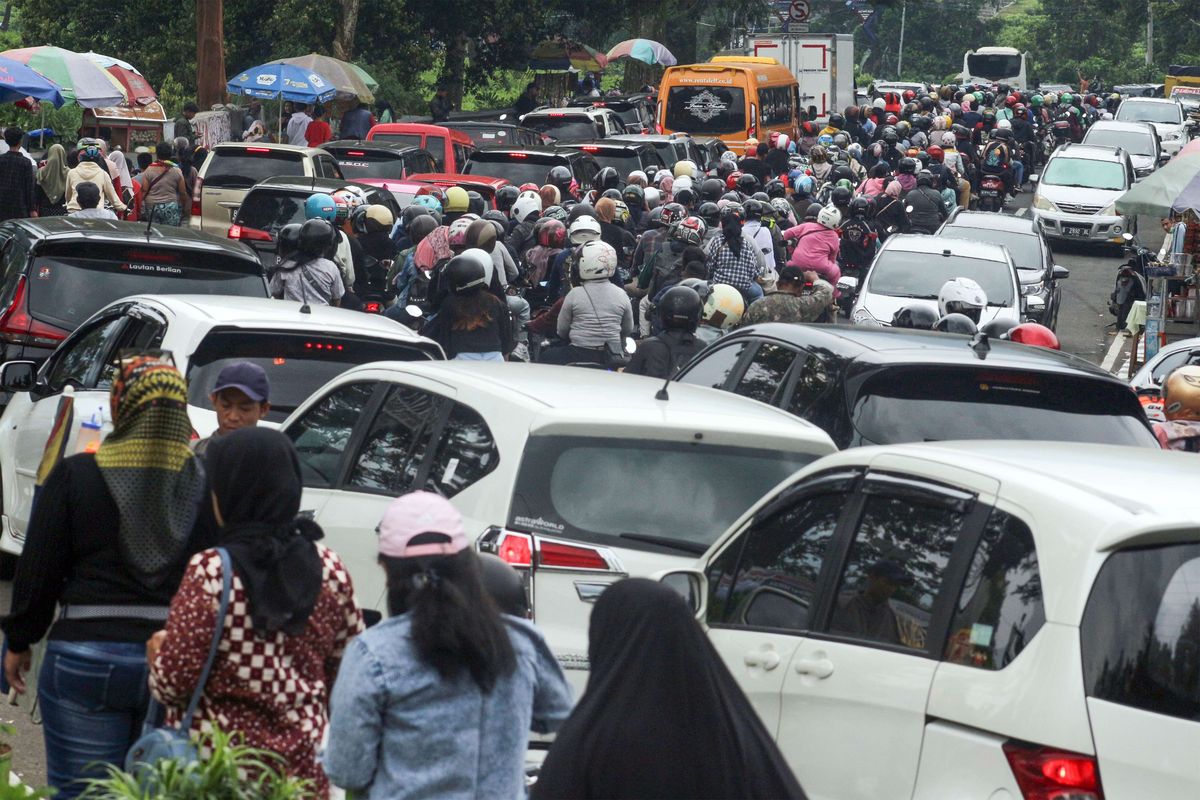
{"x": 664, "y": 541}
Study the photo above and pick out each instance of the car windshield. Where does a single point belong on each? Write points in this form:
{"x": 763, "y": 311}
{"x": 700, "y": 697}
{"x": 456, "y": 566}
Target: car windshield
{"x": 68, "y": 283}
{"x": 516, "y": 168}
{"x": 1136, "y": 142}
{"x": 898, "y": 273}
{"x": 706, "y": 109}
{"x": 269, "y": 210}
{"x": 928, "y": 404}
{"x": 297, "y": 364}
{"x": 1133, "y": 111}
{"x": 365, "y": 164}
{"x": 564, "y": 127}
{"x": 233, "y": 168}
{"x": 410, "y": 139}
{"x": 685, "y": 494}
{"x": 1025, "y": 248}
{"x": 1085, "y": 173}
{"x": 623, "y": 161}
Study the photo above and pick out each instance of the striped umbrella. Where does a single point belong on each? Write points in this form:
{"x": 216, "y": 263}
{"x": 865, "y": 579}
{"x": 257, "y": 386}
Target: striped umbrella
{"x": 647, "y": 50}
{"x": 137, "y": 89}
{"x": 351, "y": 81}
{"x": 81, "y": 80}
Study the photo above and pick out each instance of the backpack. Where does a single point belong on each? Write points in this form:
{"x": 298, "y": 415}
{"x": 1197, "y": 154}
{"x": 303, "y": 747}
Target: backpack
{"x": 676, "y": 357}
{"x": 996, "y": 156}
{"x": 665, "y": 265}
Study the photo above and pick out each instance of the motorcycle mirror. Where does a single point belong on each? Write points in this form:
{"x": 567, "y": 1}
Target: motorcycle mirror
{"x": 630, "y": 345}
{"x": 847, "y": 284}
{"x": 1034, "y": 178}
{"x": 1128, "y": 237}
{"x": 908, "y": 209}
{"x": 412, "y": 310}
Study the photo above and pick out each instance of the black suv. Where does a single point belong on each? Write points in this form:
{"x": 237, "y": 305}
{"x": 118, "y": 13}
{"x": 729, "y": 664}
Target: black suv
{"x": 867, "y": 386}
{"x": 275, "y": 202}
{"x": 379, "y": 159}
{"x": 635, "y": 110}
{"x": 58, "y": 271}
{"x": 487, "y": 134}
{"x": 624, "y": 157}
{"x": 519, "y": 165}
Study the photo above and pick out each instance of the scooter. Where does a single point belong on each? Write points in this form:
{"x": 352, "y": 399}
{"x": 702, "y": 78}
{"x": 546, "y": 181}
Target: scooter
{"x": 1130, "y": 285}
{"x": 991, "y": 193}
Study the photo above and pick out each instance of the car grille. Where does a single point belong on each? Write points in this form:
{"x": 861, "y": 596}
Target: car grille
{"x": 1072, "y": 208}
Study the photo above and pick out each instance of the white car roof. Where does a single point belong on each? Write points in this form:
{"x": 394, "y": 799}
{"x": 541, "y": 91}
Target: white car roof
{"x": 939, "y": 245}
{"x": 1112, "y": 125}
{"x": 1157, "y": 100}
{"x": 1090, "y": 152}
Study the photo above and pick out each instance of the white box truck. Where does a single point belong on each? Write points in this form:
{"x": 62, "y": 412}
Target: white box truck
{"x": 823, "y": 64}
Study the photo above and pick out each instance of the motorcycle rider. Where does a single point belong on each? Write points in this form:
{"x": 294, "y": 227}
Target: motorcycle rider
{"x": 525, "y": 212}
{"x": 997, "y": 159}
{"x": 818, "y": 244}
{"x": 663, "y": 355}
{"x": 595, "y": 314}
{"x": 760, "y": 235}
{"x": 860, "y": 240}
{"x": 924, "y": 206}
{"x": 310, "y": 277}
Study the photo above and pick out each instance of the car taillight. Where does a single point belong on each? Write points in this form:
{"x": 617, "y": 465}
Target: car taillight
{"x": 197, "y": 190}
{"x": 258, "y": 149}
{"x": 515, "y": 549}
{"x": 555, "y": 554}
{"x": 372, "y": 307}
{"x": 249, "y": 234}
{"x": 1047, "y": 773}
{"x": 590, "y": 148}
{"x": 17, "y": 325}
{"x": 518, "y": 155}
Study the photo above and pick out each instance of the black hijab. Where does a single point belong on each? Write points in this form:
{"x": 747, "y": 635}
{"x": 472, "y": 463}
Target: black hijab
{"x": 255, "y": 476}
{"x": 662, "y": 716}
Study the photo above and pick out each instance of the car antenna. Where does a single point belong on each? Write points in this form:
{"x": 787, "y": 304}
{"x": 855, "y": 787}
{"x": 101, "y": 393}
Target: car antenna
{"x": 662, "y": 393}
{"x": 150, "y": 223}
{"x": 981, "y": 346}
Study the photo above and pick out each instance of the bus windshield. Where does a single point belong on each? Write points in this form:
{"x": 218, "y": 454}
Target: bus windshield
{"x": 1002, "y": 67}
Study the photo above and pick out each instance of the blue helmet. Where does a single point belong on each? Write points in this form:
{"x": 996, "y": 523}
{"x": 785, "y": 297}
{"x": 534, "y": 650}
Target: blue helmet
{"x": 427, "y": 201}
{"x": 320, "y": 206}
{"x": 805, "y": 185}
{"x": 825, "y": 140}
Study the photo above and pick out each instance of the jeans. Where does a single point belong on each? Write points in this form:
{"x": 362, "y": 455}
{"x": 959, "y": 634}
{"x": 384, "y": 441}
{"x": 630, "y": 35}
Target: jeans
{"x": 1019, "y": 173}
{"x": 751, "y": 293}
{"x": 93, "y": 698}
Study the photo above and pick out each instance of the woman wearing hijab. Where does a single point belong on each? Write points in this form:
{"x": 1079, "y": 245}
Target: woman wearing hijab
{"x": 439, "y": 700}
{"x": 108, "y": 540}
{"x": 662, "y": 716}
{"x": 51, "y": 194}
{"x": 291, "y": 611}
{"x": 118, "y": 168}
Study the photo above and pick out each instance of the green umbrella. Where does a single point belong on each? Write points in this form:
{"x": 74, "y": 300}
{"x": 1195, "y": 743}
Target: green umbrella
{"x": 351, "y": 81}
{"x": 1173, "y": 187}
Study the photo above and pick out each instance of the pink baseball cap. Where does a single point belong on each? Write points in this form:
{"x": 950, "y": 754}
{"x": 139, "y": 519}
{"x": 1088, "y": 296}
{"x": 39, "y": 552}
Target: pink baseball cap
{"x": 417, "y": 513}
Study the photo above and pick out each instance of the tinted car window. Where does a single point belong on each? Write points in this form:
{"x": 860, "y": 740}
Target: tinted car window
{"x": 1025, "y": 248}
{"x": 269, "y": 210}
{"x": 894, "y": 571}
{"x": 767, "y": 579}
{"x": 713, "y": 369}
{"x": 1141, "y": 631}
{"x": 465, "y": 453}
{"x": 623, "y": 161}
{"x": 776, "y": 105}
{"x": 436, "y": 145}
{"x": 395, "y": 444}
{"x": 77, "y": 364}
{"x": 242, "y": 168}
{"x": 706, "y": 109}
{"x": 516, "y": 168}
{"x": 764, "y": 375}
{"x": 322, "y": 434}
{"x": 926, "y": 403}
{"x": 411, "y": 139}
{"x": 1171, "y": 363}
{"x": 357, "y": 164}
{"x": 566, "y": 126}
{"x": 1000, "y": 608}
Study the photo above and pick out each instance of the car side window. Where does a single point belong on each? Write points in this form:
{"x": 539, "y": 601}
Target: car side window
{"x": 395, "y": 444}
{"x": 1141, "y": 631}
{"x": 763, "y": 379}
{"x": 139, "y": 335}
{"x": 894, "y": 569}
{"x": 332, "y": 170}
{"x": 810, "y": 381}
{"x": 1170, "y": 363}
{"x": 465, "y": 453}
{"x": 78, "y": 362}
{"x": 1000, "y": 607}
{"x": 323, "y": 433}
{"x": 436, "y": 145}
{"x": 714, "y": 369}
{"x": 768, "y": 579}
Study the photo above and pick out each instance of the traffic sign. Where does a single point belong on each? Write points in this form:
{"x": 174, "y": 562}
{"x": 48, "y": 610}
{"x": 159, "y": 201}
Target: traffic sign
{"x": 783, "y": 10}
{"x": 795, "y": 27}
{"x": 798, "y": 11}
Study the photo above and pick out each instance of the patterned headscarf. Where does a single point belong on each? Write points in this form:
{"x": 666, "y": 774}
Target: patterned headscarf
{"x": 433, "y": 248}
{"x": 149, "y": 468}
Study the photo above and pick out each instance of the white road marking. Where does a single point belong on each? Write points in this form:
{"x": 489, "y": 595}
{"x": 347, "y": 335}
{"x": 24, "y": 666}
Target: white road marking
{"x": 1020, "y": 212}
{"x": 1114, "y": 350}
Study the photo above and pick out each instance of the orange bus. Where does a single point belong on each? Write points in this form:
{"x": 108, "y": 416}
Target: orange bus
{"x": 733, "y": 98}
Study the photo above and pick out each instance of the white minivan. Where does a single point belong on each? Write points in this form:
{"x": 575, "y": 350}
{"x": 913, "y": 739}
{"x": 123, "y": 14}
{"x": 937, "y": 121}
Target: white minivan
{"x": 970, "y": 620}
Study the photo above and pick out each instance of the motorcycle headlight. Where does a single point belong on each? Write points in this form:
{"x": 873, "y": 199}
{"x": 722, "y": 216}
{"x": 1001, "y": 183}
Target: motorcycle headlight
{"x": 1032, "y": 288}
{"x": 1042, "y": 204}
{"x": 863, "y": 317}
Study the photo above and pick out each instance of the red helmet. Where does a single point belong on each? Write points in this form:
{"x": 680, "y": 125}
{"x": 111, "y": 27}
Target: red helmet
{"x": 1034, "y": 334}
{"x": 437, "y": 191}
{"x": 731, "y": 181}
{"x": 529, "y": 187}
{"x": 909, "y": 95}
{"x": 891, "y": 119}
{"x": 1010, "y": 101}
{"x": 936, "y": 154}
{"x": 551, "y": 233}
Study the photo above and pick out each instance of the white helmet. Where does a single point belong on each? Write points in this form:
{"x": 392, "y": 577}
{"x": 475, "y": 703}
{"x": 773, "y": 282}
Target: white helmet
{"x": 783, "y": 142}
{"x": 684, "y": 167}
{"x": 949, "y": 139}
{"x": 682, "y": 182}
{"x": 653, "y": 197}
{"x": 597, "y": 261}
{"x": 527, "y": 202}
{"x": 878, "y": 102}
{"x": 639, "y": 177}
{"x": 830, "y": 217}
{"x": 962, "y": 296}
{"x": 484, "y": 260}
{"x": 584, "y": 229}
{"x": 1004, "y": 125}
{"x": 662, "y": 173}
{"x": 724, "y": 306}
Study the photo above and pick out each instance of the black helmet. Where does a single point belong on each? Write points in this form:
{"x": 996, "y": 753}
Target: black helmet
{"x": 734, "y": 210}
{"x": 923, "y": 157}
{"x": 710, "y": 213}
{"x": 916, "y": 315}
{"x": 956, "y": 323}
{"x": 315, "y": 236}
{"x": 412, "y": 212}
{"x": 505, "y": 197}
{"x": 496, "y": 215}
{"x": 732, "y": 197}
{"x": 672, "y": 213}
{"x": 422, "y": 226}
{"x": 358, "y": 220}
{"x": 775, "y": 188}
{"x": 926, "y": 103}
{"x": 1002, "y": 134}
{"x": 836, "y": 120}
{"x": 504, "y": 585}
{"x": 463, "y": 273}
{"x": 925, "y": 178}
{"x": 890, "y": 135}
{"x": 922, "y": 123}
{"x": 580, "y": 210}
{"x": 908, "y": 166}
{"x": 747, "y": 184}
{"x": 686, "y": 197}
{"x": 559, "y": 177}
{"x": 679, "y": 309}
{"x": 841, "y": 140}
{"x": 633, "y": 196}
{"x": 842, "y": 172}
{"x": 611, "y": 194}
{"x": 712, "y": 189}
{"x": 840, "y": 197}
{"x": 998, "y": 328}
{"x": 754, "y": 209}
{"x": 475, "y": 202}
{"x": 761, "y": 197}
{"x": 989, "y": 117}
{"x": 288, "y": 241}
{"x": 813, "y": 210}
{"x": 606, "y": 178}
{"x": 960, "y": 131}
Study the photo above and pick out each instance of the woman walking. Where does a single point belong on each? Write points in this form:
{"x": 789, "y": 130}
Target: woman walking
{"x": 108, "y": 540}
{"x": 439, "y": 700}
{"x": 662, "y": 716}
{"x": 164, "y": 195}
{"x": 291, "y": 610}
{"x": 51, "y": 194}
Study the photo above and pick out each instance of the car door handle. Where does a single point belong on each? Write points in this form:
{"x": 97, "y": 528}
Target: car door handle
{"x": 817, "y": 667}
{"x": 767, "y": 659}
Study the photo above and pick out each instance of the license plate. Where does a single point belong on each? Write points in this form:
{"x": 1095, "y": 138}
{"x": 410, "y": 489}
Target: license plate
{"x": 1076, "y": 230}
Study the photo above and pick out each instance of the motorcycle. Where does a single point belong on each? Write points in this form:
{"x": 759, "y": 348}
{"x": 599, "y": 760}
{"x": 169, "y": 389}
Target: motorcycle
{"x": 991, "y": 193}
{"x": 1130, "y": 285}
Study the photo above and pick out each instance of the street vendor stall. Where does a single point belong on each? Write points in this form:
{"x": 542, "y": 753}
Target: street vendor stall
{"x": 127, "y": 126}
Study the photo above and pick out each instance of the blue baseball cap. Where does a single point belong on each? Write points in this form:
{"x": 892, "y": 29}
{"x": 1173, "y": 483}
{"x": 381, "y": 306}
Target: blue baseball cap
{"x": 250, "y": 378}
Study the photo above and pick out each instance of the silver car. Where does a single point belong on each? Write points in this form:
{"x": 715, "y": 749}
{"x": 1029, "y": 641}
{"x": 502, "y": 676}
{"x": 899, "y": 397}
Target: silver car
{"x": 1165, "y": 115}
{"x": 1139, "y": 139}
{"x": 1077, "y": 193}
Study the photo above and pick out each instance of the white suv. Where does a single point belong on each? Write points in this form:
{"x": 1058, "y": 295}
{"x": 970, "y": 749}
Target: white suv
{"x": 970, "y": 620}
{"x": 1165, "y": 115}
{"x": 1077, "y": 193}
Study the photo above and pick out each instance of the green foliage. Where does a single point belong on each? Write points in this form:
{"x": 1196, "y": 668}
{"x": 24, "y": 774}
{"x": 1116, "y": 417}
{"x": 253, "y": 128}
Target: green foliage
{"x": 9, "y": 790}
{"x": 233, "y": 772}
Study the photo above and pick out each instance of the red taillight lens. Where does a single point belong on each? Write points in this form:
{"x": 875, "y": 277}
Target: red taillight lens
{"x": 518, "y": 155}
{"x": 590, "y": 148}
{"x": 197, "y": 190}
{"x": 355, "y": 153}
{"x": 258, "y": 149}
{"x": 515, "y": 549}
{"x": 17, "y": 325}
{"x": 1046, "y": 773}
{"x": 249, "y": 234}
{"x": 372, "y": 307}
{"x": 553, "y": 554}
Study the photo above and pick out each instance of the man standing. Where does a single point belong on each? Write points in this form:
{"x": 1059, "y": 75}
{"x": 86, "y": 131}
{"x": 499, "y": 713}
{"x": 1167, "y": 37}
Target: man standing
{"x": 441, "y": 106}
{"x": 297, "y": 127}
{"x": 16, "y": 178}
{"x": 356, "y": 123}
{"x": 241, "y": 398}
{"x": 183, "y": 124}
{"x": 527, "y": 102}
{"x": 793, "y": 301}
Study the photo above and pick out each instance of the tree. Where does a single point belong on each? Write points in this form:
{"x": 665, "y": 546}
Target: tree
{"x": 210, "y": 53}
{"x": 343, "y": 41}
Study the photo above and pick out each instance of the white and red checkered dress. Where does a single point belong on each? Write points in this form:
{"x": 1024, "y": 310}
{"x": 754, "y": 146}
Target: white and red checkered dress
{"x": 274, "y": 689}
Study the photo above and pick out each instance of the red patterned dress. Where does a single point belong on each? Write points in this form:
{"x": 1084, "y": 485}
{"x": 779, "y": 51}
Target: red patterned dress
{"x": 274, "y": 689}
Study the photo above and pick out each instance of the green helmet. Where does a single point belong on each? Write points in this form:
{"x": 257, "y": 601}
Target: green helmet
{"x": 1036, "y": 100}
{"x": 1066, "y": 98}
{"x": 1074, "y": 111}
{"x": 978, "y": 97}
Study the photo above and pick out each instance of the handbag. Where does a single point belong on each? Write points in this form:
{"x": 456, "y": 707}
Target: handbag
{"x": 613, "y": 354}
{"x": 166, "y": 742}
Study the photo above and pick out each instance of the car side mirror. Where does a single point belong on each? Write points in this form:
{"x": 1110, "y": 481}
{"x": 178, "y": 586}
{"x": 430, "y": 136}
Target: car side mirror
{"x": 1058, "y": 273}
{"x": 1034, "y": 178}
{"x": 692, "y": 585}
{"x": 848, "y": 285}
{"x": 18, "y": 376}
